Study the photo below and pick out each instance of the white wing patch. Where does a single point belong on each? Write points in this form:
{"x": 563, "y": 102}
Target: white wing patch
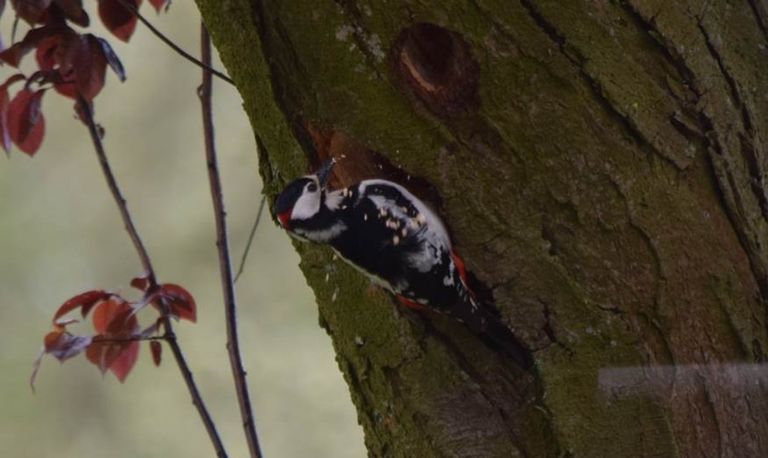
{"x": 425, "y": 225}
{"x": 426, "y": 215}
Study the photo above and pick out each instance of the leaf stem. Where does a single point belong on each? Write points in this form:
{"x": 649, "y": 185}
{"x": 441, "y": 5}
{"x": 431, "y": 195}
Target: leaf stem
{"x": 86, "y": 111}
{"x": 225, "y": 263}
{"x": 129, "y": 339}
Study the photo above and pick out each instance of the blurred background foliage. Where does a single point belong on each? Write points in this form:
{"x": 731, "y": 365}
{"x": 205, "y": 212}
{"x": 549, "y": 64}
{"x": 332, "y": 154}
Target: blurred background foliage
{"x": 60, "y": 234}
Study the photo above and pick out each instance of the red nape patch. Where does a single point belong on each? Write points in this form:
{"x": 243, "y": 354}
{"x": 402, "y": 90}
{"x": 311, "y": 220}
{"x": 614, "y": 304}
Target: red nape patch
{"x": 409, "y": 303}
{"x": 285, "y": 219}
{"x": 459, "y": 263}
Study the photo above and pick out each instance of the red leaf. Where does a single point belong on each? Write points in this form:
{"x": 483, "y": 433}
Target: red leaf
{"x": 158, "y": 4}
{"x": 157, "y": 351}
{"x": 117, "y": 18}
{"x": 13, "y": 55}
{"x": 45, "y": 54}
{"x": 85, "y": 301}
{"x": 26, "y": 123}
{"x": 92, "y": 68}
{"x": 32, "y": 11}
{"x": 115, "y": 318}
{"x": 66, "y": 89}
{"x": 63, "y": 345}
{"x": 73, "y": 10}
{"x": 103, "y": 354}
{"x": 140, "y": 283}
{"x": 180, "y": 302}
{"x": 119, "y": 357}
{"x": 82, "y": 62}
{"x": 5, "y": 136}
{"x": 124, "y": 363}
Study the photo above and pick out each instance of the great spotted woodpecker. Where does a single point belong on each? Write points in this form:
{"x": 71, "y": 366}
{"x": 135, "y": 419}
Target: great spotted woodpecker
{"x": 382, "y": 229}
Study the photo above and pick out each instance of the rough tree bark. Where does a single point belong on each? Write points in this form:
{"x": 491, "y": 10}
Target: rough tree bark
{"x": 602, "y": 168}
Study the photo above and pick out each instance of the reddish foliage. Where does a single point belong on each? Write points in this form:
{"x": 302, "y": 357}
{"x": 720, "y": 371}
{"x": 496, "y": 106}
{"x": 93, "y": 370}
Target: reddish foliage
{"x": 81, "y": 62}
{"x": 115, "y": 347}
{"x": 156, "y": 348}
{"x": 85, "y": 301}
{"x": 179, "y": 301}
{"x": 13, "y": 55}
{"x": 32, "y": 11}
{"x": 118, "y": 357}
{"x": 5, "y": 136}
{"x": 26, "y": 123}
{"x": 115, "y": 317}
{"x": 73, "y": 10}
{"x": 159, "y": 4}
{"x": 117, "y": 18}
{"x": 116, "y": 322}
{"x": 73, "y": 63}
{"x": 45, "y": 54}
{"x": 140, "y": 283}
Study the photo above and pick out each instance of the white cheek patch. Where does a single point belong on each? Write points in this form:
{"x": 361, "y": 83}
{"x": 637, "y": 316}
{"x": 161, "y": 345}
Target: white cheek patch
{"x": 307, "y": 206}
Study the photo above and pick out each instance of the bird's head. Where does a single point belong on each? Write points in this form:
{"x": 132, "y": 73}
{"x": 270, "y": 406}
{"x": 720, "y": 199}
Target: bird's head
{"x": 301, "y": 200}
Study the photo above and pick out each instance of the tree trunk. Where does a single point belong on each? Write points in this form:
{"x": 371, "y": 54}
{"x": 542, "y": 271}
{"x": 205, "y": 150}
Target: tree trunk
{"x": 601, "y": 166}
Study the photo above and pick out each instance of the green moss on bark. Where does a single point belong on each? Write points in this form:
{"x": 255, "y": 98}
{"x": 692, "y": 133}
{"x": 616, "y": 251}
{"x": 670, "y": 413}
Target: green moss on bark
{"x": 601, "y": 188}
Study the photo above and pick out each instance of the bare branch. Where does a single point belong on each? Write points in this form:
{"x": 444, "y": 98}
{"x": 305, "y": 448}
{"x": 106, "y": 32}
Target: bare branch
{"x": 174, "y": 46}
{"x": 86, "y": 111}
{"x": 250, "y": 237}
{"x": 225, "y": 264}
{"x": 128, "y": 339}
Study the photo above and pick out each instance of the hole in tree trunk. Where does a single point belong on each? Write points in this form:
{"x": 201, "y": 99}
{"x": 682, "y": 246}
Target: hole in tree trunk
{"x": 436, "y": 65}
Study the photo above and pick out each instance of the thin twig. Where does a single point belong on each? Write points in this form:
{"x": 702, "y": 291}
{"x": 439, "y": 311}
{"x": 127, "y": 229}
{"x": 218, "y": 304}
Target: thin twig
{"x": 225, "y": 264}
{"x": 14, "y": 28}
{"x": 122, "y": 205}
{"x": 129, "y": 339}
{"x": 250, "y": 237}
{"x": 87, "y": 113}
{"x": 174, "y": 46}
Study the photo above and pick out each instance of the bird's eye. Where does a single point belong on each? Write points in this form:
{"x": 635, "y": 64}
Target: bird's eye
{"x": 311, "y": 187}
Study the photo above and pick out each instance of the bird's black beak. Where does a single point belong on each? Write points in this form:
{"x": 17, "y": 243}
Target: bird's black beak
{"x": 324, "y": 172}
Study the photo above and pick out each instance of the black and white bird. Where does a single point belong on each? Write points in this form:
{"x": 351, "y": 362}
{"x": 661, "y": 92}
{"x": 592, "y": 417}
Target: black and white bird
{"x": 386, "y": 232}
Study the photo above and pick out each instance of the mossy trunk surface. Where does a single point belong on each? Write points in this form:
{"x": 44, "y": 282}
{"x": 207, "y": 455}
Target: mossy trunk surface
{"x": 601, "y": 166}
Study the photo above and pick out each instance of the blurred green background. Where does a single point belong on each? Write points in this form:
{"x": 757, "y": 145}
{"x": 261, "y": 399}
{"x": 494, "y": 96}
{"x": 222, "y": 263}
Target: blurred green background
{"x": 60, "y": 234}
